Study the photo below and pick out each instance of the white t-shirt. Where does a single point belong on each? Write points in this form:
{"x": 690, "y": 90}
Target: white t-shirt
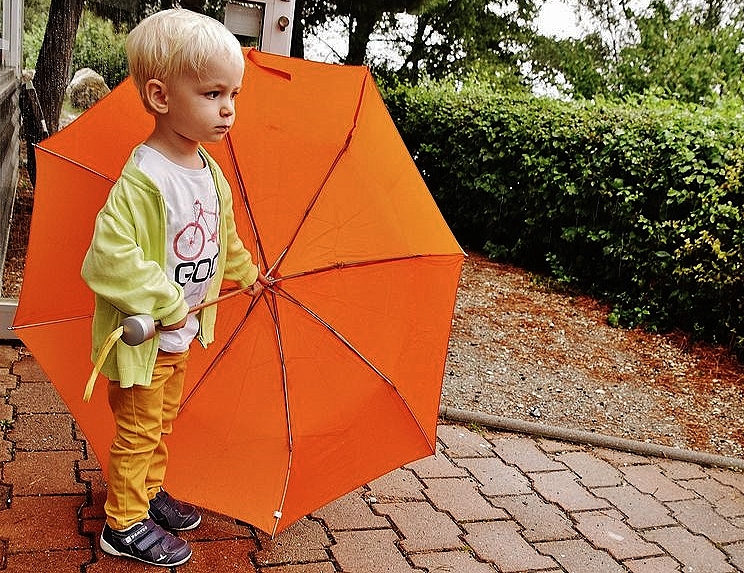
{"x": 192, "y": 239}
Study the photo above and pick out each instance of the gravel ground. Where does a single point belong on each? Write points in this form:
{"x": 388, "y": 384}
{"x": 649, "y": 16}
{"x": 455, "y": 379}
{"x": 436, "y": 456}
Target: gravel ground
{"x": 527, "y": 352}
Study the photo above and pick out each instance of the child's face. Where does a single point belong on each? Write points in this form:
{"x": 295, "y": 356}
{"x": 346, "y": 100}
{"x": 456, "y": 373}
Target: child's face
{"x": 202, "y": 109}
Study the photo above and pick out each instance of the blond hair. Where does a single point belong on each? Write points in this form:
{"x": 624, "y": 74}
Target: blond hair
{"x": 175, "y": 42}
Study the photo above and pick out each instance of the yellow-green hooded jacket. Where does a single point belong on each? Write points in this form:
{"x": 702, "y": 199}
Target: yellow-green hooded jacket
{"x": 124, "y": 268}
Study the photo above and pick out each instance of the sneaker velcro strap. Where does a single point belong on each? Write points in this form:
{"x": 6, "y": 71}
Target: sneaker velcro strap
{"x": 145, "y": 537}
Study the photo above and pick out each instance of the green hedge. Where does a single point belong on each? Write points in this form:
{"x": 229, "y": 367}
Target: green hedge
{"x": 640, "y": 204}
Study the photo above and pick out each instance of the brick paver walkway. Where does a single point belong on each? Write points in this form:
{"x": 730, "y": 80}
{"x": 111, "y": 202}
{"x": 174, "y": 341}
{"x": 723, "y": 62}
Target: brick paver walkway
{"x": 488, "y": 501}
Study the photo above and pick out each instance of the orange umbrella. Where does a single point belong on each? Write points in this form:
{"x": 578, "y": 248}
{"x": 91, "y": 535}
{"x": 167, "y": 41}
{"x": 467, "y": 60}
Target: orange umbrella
{"x": 333, "y": 376}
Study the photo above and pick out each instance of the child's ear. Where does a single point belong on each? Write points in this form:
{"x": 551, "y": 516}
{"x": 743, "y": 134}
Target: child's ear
{"x": 156, "y": 95}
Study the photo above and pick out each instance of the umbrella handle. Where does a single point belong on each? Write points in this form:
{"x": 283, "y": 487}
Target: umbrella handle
{"x": 135, "y": 330}
{"x": 141, "y": 327}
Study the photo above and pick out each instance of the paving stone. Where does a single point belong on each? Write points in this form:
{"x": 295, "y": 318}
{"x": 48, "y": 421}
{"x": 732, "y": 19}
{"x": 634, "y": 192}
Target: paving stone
{"x": 401, "y": 484}
{"x": 438, "y": 466}
{"x": 303, "y": 541}
{"x": 577, "y": 556}
{"x": 728, "y": 477}
{"x": 92, "y": 527}
{"x": 6, "y": 412}
{"x": 699, "y": 517}
{"x": 736, "y": 553}
{"x": 541, "y": 521}
{"x": 650, "y": 479}
{"x": 43, "y": 432}
{"x": 324, "y": 567}
{"x": 6, "y": 450}
{"x": 524, "y": 453}
{"x": 728, "y": 500}
{"x": 606, "y": 531}
{"x": 499, "y": 542}
{"x": 642, "y": 510}
{"x": 223, "y": 556}
{"x": 37, "y": 398}
{"x": 41, "y": 473}
{"x": 462, "y": 499}
{"x": 215, "y": 526}
{"x": 369, "y": 552}
{"x": 29, "y": 370}
{"x": 422, "y": 528}
{"x": 97, "y": 486}
{"x": 455, "y": 561}
{"x": 67, "y": 561}
{"x": 563, "y": 489}
{"x": 8, "y": 354}
{"x": 496, "y": 477}
{"x": 593, "y": 471}
{"x": 109, "y": 564}
{"x": 619, "y": 458}
{"x": 679, "y": 470}
{"x": 350, "y": 512}
{"x": 460, "y": 442}
{"x": 7, "y": 380}
{"x": 694, "y": 552}
{"x": 42, "y": 523}
{"x": 663, "y": 564}
{"x": 555, "y": 447}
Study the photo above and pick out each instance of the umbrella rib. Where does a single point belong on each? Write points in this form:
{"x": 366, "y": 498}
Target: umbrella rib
{"x": 49, "y": 322}
{"x": 339, "y": 265}
{"x": 284, "y": 294}
{"x": 246, "y": 202}
{"x": 331, "y": 169}
{"x": 274, "y": 311}
{"x": 76, "y": 163}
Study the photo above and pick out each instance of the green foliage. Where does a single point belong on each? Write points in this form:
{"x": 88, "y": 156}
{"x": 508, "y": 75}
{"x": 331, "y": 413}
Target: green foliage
{"x": 34, "y": 24}
{"x": 639, "y": 203}
{"x": 680, "y": 58}
{"x": 682, "y": 50}
{"x": 100, "y": 47}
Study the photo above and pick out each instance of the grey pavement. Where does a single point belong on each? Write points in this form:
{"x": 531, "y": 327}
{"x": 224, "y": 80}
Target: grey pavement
{"x": 490, "y": 500}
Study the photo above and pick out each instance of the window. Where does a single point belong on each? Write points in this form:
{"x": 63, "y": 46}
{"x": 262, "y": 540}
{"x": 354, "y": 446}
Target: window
{"x": 11, "y": 34}
{"x": 245, "y": 20}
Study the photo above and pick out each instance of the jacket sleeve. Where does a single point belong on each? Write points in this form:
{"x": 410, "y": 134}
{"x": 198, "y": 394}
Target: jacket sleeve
{"x": 116, "y": 268}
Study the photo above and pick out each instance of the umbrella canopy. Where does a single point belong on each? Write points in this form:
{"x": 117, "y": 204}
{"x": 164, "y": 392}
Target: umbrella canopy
{"x": 332, "y": 377}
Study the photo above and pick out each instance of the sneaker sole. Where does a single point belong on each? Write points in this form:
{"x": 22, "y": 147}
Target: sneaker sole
{"x": 109, "y": 550}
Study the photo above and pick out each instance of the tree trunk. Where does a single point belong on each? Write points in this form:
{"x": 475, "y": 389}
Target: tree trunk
{"x": 362, "y": 20}
{"x": 193, "y": 5}
{"x": 55, "y": 55}
{"x": 297, "y": 48}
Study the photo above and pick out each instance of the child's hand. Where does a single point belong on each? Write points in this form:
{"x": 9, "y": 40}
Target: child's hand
{"x": 175, "y": 326}
{"x": 257, "y": 287}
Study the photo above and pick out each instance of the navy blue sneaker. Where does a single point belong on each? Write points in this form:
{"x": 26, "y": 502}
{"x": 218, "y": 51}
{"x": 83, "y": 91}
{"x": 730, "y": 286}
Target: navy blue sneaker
{"x": 146, "y": 541}
{"x": 173, "y": 515}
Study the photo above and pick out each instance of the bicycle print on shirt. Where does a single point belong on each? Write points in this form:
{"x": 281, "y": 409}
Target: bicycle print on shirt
{"x": 189, "y": 244}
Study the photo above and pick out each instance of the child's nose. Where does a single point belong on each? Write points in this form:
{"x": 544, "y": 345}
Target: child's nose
{"x": 228, "y": 108}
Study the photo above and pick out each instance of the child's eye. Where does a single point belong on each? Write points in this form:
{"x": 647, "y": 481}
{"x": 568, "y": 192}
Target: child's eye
{"x": 213, "y": 94}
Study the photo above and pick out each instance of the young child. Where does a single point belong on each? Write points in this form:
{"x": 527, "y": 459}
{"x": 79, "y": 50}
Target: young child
{"x": 188, "y": 69}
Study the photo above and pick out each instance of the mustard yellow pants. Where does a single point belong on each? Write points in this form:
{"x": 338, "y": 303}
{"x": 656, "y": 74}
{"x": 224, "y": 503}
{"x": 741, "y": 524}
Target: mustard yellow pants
{"x": 143, "y": 415}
